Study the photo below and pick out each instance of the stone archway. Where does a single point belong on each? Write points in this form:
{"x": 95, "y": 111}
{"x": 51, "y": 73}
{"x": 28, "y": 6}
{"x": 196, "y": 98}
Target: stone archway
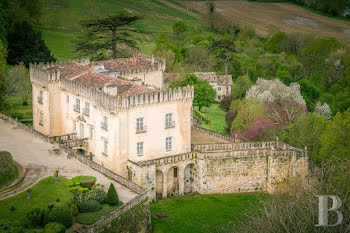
{"x": 190, "y": 178}
{"x": 173, "y": 181}
{"x": 159, "y": 184}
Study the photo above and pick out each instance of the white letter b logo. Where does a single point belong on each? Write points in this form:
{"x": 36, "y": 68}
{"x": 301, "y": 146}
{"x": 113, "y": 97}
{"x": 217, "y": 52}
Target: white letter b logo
{"x": 323, "y": 210}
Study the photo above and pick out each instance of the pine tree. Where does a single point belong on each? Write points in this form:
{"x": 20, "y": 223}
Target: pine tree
{"x": 112, "y": 196}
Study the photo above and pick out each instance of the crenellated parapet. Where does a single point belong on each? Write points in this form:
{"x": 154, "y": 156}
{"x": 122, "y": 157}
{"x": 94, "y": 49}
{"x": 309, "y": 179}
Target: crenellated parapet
{"x": 43, "y": 73}
{"x": 178, "y": 94}
{"x": 114, "y": 103}
{"x": 97, "y": 97}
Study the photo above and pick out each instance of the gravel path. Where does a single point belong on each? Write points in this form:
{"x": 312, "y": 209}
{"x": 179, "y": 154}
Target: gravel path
{"x": 31, "y": 152}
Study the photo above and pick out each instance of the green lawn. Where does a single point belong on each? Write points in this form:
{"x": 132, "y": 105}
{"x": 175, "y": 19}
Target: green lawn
{"x": 60, "y": 23}
{"x": 216, "y": 117}
{"x": 92, "y": 217}
{"x": 23, "y": 113}
{"x": 205, "y": 213}
{"x": 43, "y": 194}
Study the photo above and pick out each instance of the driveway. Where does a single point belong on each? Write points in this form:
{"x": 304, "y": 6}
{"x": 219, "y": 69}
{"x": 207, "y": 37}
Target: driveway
{"x": 33, "y": 154}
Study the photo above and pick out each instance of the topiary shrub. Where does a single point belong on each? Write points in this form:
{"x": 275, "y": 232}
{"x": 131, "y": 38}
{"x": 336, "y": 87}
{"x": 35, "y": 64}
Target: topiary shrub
{"x": 112, "y": 196}
{"x": 35, "y": 216}
{"x": 61, "y": 214}
{"x": 89, "y": 206}
{"x": 54, "y": 227}
{"x": 85, "y": 181}
{"x": 74, "y": 210}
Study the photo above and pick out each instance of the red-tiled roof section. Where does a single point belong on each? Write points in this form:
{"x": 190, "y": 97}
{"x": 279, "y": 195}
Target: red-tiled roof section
{"x": 72, "y": 69}
{"x": 213, "y": 77}
{"x": 94, "y": 79}
{"x": 97, "y": 80}
{"x": 122, "y": 64}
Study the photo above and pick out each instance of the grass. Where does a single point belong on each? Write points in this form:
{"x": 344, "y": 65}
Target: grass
{"x": 92, "y": 217}
{"x": 60, "y": 44}
{"x": 205, "y": 213}
{"x": 216, "y": 117}
{"x": 43, "y": 194}
{"x": 23, "y": 113}
{"x": 60, "y": 23}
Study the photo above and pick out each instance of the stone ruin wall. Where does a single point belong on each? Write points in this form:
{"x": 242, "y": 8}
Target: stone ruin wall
{"x": 230, "y": 171}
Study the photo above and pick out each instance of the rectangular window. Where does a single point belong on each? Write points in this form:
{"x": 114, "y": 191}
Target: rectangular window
{"x": 168, "y": 143}
{"x": 74, "y": 125}
{"x": 219, "y": 88}
{"x": 169, "y": 120}
{"x": 41, "y": 118}
{"x": 175, "y": 172}
{"x": 40, "y": 97}
{"x": 77, "y": 105}
{"x": 105, "y": 123}
{"x": 81, "y": 130}
{"x": 139, "y": 125}
{"x": 91, "y": 133}
{"x": 139, "y": 148}
{"x": 68, "y": 99}
{"x": 105, "y": 147}
{"x": 87, "y": 109}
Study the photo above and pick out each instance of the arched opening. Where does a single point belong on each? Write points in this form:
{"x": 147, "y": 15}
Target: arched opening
{"x": 173, "y": 181}
{"x": 159, "y": 184}
{"x": 190, "y": 178}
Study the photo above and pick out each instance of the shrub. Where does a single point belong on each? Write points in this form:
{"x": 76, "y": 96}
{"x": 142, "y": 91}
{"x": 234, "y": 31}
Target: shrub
{"x": 12, "y": 208}
{"x": 74, "y": 210}
{"x": 226, "y": 102}
{"x": 100, "y": 196}
{"x": 89, "y": 206}
{"x": 35, "y": 216}
{"x": 60, "y": 214}
{"x": 8, "y": 168}
{"x": 112, "y": 196}
{"x": 11, "y": 226}
{"x": 54, "y": 227}
{"x": 85, "y": 181}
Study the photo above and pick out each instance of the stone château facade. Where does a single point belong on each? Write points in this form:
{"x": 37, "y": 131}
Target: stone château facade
{"x": 118, "y": 114}
{"x": 119, "y": 107}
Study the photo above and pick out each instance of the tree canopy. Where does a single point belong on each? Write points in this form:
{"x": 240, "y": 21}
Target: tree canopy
{"x": 99, "y": 35}
{"x": 204, "y": 94}
{"x": 26, "y": 45}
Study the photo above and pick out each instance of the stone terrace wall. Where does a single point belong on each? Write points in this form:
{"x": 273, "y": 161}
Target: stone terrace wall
{"x": 246, "y": 145}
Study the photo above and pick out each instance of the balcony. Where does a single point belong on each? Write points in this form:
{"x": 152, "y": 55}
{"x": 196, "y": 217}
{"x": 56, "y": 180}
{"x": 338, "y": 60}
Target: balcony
{"x": 141, "y": 129}
{"x": 40, "y": 100}
{"x": 86, "y": 111}
{"x": 170, "y": 124}
{"x": 76, "y": 108}
{"x": 104, "y": 125}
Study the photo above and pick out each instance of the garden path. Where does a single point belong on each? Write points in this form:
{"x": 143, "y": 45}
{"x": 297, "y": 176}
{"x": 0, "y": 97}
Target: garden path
{"x": 31, "y": 152}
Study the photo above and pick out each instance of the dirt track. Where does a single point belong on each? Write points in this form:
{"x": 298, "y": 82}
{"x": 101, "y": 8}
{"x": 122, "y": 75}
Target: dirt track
{"x": 266, "y": 18}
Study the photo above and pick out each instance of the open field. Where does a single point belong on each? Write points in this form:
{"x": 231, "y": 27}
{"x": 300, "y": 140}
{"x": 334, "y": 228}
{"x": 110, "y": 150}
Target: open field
{"x": 205, "y": 213}
{"x": 60, "y": 21}
{"x": 270, "y": 17}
